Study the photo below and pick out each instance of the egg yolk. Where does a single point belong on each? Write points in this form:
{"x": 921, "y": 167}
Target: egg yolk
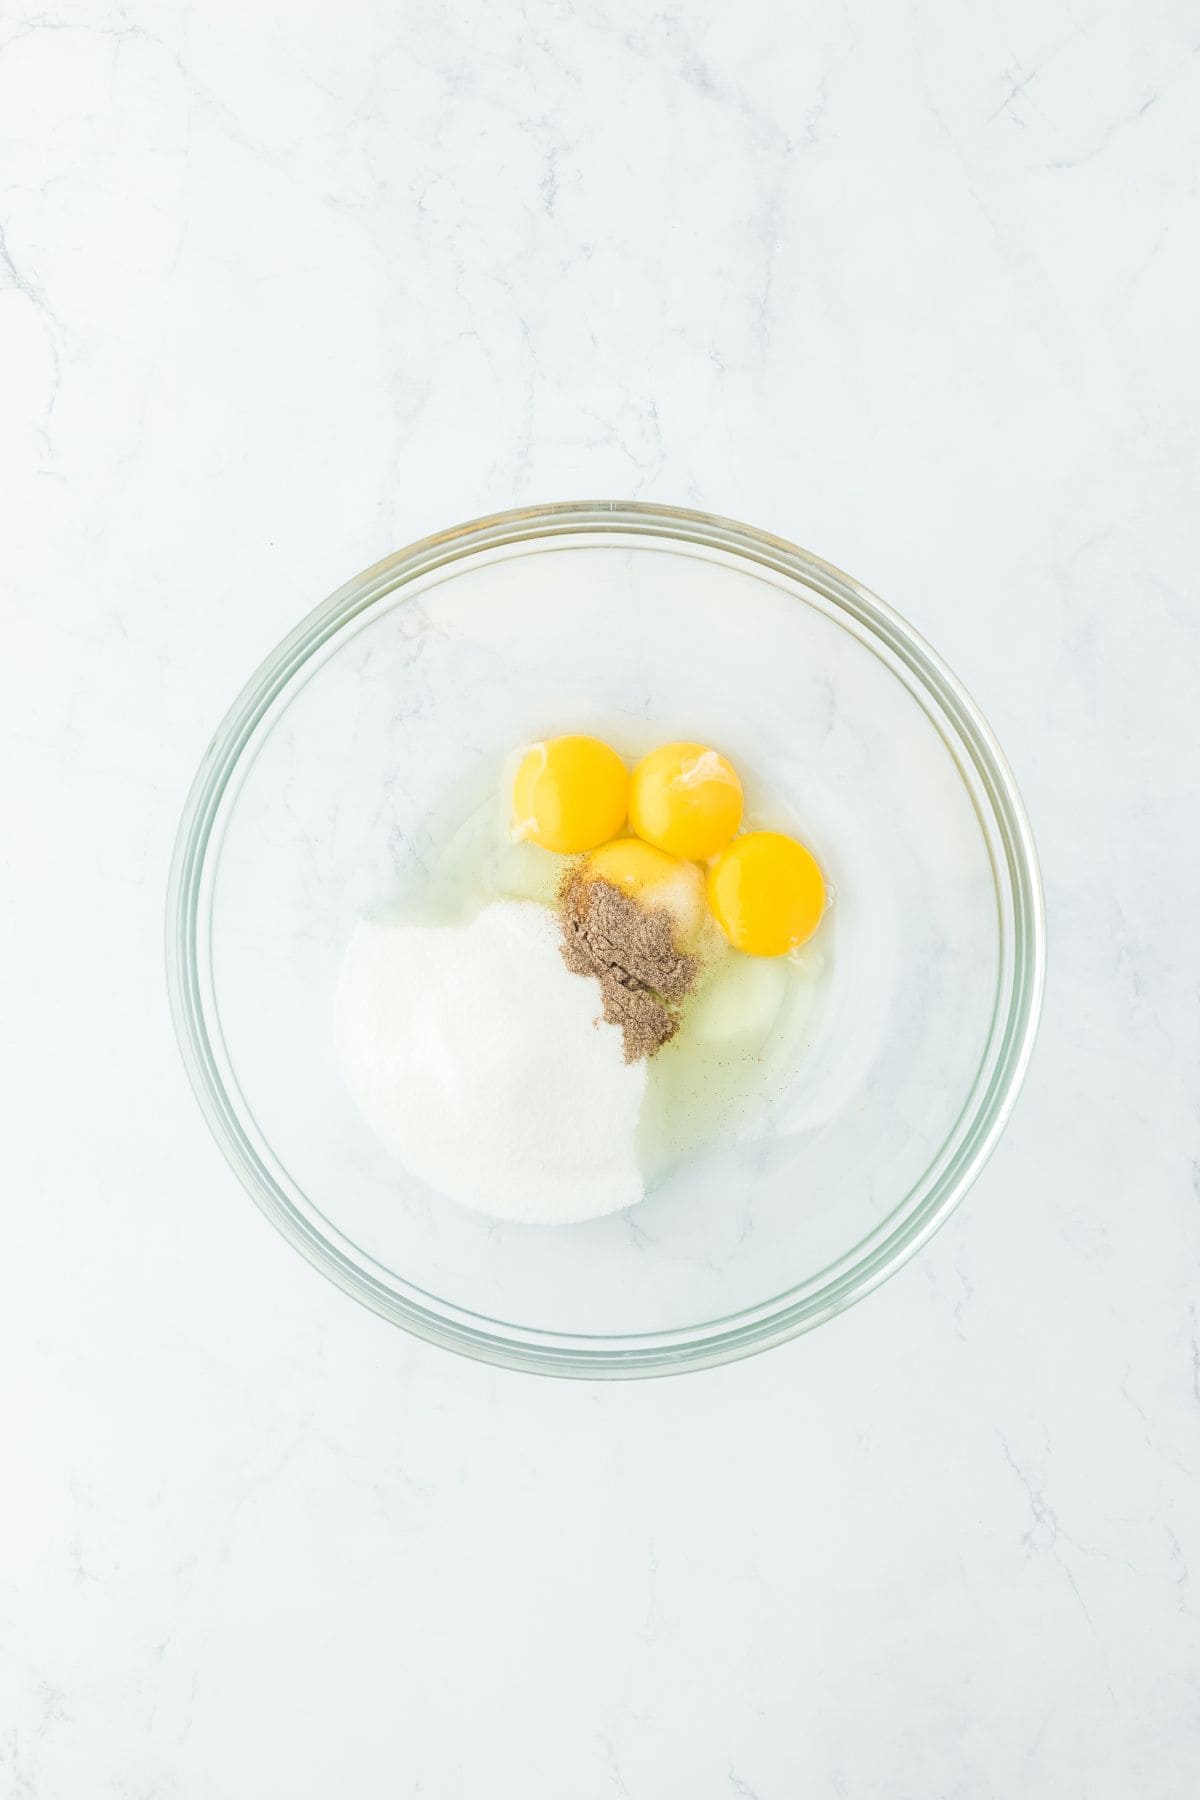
{"x": 569, "y": 794}
{"x": 685, "y": 799}
{"x": 634, "y": 867}
{"x": 654, "y": 878}
{"x": 766, "y": 893}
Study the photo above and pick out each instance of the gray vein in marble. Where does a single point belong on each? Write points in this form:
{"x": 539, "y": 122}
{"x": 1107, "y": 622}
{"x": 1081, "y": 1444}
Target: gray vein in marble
{"x": 1044, "y": 1521}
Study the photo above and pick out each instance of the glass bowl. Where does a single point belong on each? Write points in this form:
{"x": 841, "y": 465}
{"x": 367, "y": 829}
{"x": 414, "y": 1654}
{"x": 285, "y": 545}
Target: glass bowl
{"x": 392, "y": 707}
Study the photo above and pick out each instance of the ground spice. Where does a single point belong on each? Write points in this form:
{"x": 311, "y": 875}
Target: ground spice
{"x": 631, "y": 950}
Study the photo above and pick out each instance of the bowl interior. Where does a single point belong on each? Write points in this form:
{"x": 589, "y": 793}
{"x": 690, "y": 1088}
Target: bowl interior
{"x": 366, "y": 741}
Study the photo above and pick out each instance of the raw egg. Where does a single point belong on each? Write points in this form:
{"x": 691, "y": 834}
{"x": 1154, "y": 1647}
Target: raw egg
{"x": 569, "y": 794}
{"x": 685, "y": 799}
{"x": 634, "y": 866}
{"x": 655, "y": 879}
{"x": 767, "y": 893}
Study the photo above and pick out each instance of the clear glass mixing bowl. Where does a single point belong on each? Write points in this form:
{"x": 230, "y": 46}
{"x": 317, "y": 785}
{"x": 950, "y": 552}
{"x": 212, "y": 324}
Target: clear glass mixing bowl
{"x": 394, "y": 705}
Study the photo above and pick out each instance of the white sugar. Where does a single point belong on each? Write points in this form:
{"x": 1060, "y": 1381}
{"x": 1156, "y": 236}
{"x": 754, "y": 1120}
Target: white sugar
{"x": 487, "y": 1068}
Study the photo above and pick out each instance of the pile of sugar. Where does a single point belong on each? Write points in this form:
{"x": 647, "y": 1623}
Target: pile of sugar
{"x": 487, "y": 1067}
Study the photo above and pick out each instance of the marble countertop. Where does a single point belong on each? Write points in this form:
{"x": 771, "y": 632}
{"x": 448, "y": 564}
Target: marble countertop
{"x": 283, "y": 289}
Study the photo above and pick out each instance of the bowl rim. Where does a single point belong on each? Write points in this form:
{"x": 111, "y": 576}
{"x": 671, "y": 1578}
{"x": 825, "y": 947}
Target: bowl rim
{"x": 785, "y": 1315}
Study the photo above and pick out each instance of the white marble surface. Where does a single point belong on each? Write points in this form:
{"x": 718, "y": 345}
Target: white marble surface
{"x": 283, "y": 288}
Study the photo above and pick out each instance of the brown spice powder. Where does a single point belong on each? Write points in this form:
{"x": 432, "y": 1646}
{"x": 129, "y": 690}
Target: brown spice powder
{"x": 631, "y": 950}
